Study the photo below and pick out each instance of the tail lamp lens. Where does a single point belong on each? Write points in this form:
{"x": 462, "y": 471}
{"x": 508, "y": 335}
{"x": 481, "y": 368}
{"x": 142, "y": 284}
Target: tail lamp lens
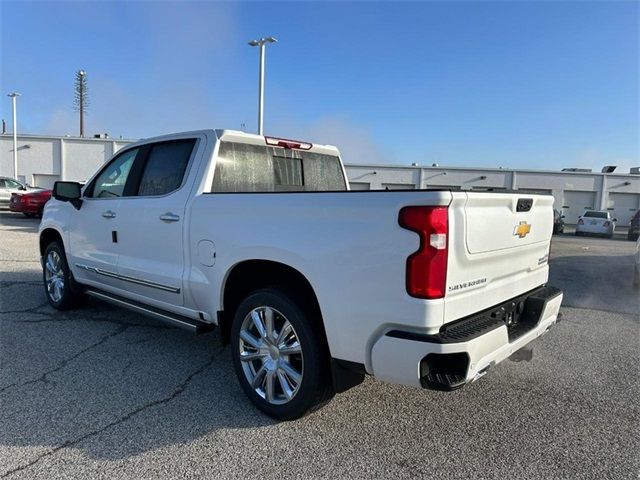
{"x": 427, "y": 267}
{"x": 580, "y": 222}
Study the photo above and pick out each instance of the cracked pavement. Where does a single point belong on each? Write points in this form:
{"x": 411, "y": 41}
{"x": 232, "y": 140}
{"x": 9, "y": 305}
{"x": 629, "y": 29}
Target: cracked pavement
{"x": 100, "y": 392}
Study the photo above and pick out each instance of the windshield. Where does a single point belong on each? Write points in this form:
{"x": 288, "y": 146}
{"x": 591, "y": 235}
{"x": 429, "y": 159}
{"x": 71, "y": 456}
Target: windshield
{"x": 243, "y": 167}
{"x": 596, "y": 214}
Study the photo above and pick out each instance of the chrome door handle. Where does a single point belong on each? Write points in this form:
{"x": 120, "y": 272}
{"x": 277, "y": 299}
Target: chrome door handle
{"x": 109, "y": 214}
{"x": 169, "y": 217}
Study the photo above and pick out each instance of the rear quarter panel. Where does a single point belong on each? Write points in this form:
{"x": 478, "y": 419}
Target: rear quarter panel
{"x": 348, "y": 245}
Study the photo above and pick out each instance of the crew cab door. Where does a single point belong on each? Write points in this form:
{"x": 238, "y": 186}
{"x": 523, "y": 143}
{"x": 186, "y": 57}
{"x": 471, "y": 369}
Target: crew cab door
{"x": 93, "y": 253}
{"x": 150, "y": 225}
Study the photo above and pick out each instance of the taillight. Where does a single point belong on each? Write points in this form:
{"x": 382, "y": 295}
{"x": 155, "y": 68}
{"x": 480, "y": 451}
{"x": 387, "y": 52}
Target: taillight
{"x": 427, "y": 267}
{"x": 580, "y": 222}
{"x": 606, "y": 224}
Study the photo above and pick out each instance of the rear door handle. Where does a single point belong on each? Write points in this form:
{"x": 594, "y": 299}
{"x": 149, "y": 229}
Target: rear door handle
{"x": 109, "y": 214}
{"x": 169, "y": 217}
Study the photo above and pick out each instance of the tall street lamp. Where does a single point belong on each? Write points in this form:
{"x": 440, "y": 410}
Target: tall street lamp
{"x": 13, "y": 96}
{"x": 261, "y": 43}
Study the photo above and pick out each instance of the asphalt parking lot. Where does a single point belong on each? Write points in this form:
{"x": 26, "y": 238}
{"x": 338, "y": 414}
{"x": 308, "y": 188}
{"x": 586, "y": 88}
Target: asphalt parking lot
{"x": 103, "y": 393}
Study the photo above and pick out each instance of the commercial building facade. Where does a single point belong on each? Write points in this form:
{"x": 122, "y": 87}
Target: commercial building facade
{"x": 44, "y": 159}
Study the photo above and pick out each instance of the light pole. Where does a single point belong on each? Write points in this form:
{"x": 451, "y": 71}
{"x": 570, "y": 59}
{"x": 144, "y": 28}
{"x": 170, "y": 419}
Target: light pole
{"x": 13, "y": 96}
{"x": 261, "y": 43}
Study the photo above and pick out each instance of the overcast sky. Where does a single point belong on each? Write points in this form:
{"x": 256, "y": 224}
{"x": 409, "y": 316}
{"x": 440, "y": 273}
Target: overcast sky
{"x": 537, "y": 85}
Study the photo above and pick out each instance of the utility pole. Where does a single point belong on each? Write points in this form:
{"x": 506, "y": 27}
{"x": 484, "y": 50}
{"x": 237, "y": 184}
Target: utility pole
{"x": 14, "y": 96}
{"x": 261, "y": 43}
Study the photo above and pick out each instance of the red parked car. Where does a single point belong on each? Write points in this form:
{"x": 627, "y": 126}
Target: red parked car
{"x": 29, "y": 203}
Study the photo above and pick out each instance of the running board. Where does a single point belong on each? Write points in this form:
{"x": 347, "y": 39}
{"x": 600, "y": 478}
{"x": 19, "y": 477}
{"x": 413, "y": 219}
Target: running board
{"x": 178, "y": 321}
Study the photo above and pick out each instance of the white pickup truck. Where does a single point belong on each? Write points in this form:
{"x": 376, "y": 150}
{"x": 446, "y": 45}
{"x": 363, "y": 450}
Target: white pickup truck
{"x": 313, "y": 285}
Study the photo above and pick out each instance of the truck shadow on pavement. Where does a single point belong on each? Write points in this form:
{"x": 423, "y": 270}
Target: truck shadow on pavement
{"x": 108, "y": 381}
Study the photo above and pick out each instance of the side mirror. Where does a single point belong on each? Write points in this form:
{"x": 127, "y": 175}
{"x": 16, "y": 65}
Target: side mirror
{"x": 561, "y": 216}
{"x": 68, "y": 192}
{"x": 615, "y": 220}
{"x": 22, "y": 187}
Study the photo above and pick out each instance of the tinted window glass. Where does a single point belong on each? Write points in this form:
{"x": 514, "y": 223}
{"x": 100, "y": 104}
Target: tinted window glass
{"x": 596, "y": 214}
{"x": 165, "y": 167}
{"x": 110, "y": 183}
{"x": 255, "y": 168}
{"x": 12, "y": 184}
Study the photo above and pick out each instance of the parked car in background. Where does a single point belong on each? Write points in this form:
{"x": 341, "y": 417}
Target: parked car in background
{"x": 634, "y": 227}
{"x": 558, "y": 222}
{"x": 29, "y": 203}
{"x": 596, "y": 222}
{"x": 9, "y": 186}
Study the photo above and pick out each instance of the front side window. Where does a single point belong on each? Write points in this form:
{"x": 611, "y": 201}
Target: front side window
{"x": 165, "y": 167}
{"x": 13, "y": 184}
{"x": 110, "y": 183}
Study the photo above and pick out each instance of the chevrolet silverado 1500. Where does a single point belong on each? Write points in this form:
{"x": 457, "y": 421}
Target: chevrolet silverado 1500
{"x": 312, "y": 285}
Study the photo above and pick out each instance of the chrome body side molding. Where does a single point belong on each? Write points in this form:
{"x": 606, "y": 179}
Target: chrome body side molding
{"x": 126, "y": 278}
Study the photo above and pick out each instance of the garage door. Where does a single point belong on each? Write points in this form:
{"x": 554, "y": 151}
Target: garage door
{"x": 575, "y": 203}
{"x": 359, "y": 186}
{"x": 622, "y": 206}
{"x": 44, "y": 180}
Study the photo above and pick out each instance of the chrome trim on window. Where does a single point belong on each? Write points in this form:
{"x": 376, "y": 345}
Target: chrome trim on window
{"x": 126, "y": 278}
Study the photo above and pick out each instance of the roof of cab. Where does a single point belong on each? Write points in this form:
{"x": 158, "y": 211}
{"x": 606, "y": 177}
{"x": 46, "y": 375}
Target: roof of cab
{"x": 253, "y": 139}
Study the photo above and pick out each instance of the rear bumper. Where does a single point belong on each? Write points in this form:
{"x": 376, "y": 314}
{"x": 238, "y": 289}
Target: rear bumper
{"x": 597, "y": 229}
{"x": 25, "y": 208}
{"x": 464, "y": 350}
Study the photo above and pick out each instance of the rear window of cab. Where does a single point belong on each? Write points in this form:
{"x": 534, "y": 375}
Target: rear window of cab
{"x": 596, "y": 215}
{"x": 244, "y": 167}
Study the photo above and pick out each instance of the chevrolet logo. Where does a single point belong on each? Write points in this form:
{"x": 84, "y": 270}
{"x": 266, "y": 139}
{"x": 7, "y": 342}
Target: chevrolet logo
{"x": 522, "y": 229}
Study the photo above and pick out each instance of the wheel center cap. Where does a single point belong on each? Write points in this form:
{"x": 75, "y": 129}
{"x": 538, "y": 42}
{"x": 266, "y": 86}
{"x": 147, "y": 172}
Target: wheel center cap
{"x": 274, "y": 352}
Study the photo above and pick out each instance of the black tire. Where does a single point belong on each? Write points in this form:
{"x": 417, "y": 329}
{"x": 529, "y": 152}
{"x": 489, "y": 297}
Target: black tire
{"x": 71, "y": 292}
{"x": 578, "y": 234}
{"x": 315, "y": 388}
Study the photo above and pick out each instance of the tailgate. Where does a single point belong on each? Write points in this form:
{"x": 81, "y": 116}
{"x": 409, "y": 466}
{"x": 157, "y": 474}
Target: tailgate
{"x": 498, "y": 249}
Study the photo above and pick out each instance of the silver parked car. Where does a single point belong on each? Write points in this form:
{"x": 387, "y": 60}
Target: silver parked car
{"x": 9, "y": 186}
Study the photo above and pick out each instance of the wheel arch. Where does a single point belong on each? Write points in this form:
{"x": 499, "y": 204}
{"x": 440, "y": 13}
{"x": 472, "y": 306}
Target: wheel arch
{"x": 47, "y": 236}
{"x": 250, "y": 275}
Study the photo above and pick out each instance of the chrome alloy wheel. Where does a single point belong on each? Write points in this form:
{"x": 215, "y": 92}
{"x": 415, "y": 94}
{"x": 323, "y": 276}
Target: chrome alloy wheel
{"x": 54, "y": 276}
{"x": 271, "y": 355}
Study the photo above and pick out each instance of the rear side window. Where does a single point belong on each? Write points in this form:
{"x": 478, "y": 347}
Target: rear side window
{"x": 242, "y": 167}
{"x": 596, "y": 214}
{"x": 164, "y": 167}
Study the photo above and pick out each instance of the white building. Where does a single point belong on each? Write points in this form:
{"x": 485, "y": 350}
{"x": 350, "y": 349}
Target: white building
{"x": 574, "y": 192}
{"x": 44, "y": 159}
